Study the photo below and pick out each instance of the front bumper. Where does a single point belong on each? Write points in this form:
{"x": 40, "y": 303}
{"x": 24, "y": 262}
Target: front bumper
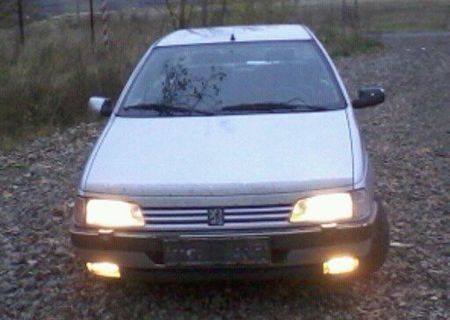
{"x": 293, "y": 253}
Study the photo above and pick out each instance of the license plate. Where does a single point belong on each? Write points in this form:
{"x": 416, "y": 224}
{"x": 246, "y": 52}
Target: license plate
{"x": 209, "y": 252}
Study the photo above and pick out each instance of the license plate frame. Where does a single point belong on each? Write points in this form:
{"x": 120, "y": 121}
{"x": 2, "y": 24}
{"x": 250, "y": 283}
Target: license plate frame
{"x": 216, "y": 252}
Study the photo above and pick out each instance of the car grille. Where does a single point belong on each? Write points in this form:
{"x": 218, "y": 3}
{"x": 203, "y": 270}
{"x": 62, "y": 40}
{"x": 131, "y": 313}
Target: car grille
{"x": 233, "y": 218}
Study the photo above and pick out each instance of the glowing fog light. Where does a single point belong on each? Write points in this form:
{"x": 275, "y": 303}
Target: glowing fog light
{"x": 338, "y": 265}
{"x": 323, "y": 208}
{"x": 112, "y": 213}
{"x": 104, "y": 269}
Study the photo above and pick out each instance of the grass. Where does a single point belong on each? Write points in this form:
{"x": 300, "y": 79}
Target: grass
{"x": 406, "y": 15}
{"x": 342, "y": 44}
{"x": 378, "y": 15}
{"x": 45, "y": 84}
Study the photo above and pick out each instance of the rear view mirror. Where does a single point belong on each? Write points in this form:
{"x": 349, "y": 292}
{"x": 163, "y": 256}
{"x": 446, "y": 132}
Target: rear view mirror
{"x": 369, "y": 96}
{"x": 100, "y": 105}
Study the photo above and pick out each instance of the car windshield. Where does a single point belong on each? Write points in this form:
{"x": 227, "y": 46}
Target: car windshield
{"x": 232, "y": 78}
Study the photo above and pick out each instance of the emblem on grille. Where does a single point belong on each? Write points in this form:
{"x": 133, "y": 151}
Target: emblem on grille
{"x": 216, "y": 217}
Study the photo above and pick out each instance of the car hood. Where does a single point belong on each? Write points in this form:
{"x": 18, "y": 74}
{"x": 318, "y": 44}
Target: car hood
{"x": 222, "y": 155}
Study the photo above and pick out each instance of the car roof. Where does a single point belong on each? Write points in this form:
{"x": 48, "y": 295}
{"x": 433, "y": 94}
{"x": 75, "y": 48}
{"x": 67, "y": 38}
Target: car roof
{"x": 238, "y": 33}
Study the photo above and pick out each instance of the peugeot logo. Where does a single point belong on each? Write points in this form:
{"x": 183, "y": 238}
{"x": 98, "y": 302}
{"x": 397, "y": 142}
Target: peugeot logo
{"x": 216, "y": 217}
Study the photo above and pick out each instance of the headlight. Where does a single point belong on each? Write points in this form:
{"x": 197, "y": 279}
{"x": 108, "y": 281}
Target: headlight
{"x": 113, "y": 214}
{"x": 323, "y": 208}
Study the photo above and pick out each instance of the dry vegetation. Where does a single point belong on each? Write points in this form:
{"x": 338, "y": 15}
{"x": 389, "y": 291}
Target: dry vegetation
{"x": 46, "y": 83}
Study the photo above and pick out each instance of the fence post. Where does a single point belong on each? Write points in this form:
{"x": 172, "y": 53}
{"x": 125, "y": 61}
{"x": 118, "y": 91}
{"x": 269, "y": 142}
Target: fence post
{"x": 91, "y": 9}
{"x": 105, "y": 22}
{"x": 20, "y": 16}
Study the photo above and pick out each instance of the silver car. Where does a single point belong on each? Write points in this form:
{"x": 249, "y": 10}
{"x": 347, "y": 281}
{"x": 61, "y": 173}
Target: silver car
{"x": 232, "y": 152}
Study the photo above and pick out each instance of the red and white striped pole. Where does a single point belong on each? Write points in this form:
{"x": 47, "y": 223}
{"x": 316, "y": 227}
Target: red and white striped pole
{"x": 105, "y": 22}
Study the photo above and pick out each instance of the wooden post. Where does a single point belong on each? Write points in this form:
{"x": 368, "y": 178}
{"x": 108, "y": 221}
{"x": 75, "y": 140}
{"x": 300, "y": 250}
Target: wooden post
{"x": 91, "y": 9}
{"x": 20, "y": 16}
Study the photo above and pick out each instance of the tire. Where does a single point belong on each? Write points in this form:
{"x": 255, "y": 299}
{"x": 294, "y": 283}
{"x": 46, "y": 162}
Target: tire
{"x": 380, "y": 245}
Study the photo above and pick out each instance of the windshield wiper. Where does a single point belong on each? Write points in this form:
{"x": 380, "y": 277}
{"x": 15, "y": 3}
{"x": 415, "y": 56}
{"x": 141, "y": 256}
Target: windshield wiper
{"x": 273, "y": 106}
{"x": 165, "y": 109}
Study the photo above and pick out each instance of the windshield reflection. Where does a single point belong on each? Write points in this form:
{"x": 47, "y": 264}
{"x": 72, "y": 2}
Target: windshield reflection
{"x": 181, "y": 88}
{"x": 209, "y": 78}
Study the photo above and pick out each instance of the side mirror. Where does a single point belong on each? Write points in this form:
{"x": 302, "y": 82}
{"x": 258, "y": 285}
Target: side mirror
{"x": 369, "y": 96}
{"x": 100, "y": 105}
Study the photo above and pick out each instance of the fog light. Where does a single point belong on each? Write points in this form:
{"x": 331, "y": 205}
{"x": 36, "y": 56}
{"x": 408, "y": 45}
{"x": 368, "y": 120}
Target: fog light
{"x": 338, "y": 265}
{"x": 104, "y": 269}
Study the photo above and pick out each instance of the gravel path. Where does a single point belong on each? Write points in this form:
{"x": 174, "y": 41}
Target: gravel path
{"x": 408, "y": 138}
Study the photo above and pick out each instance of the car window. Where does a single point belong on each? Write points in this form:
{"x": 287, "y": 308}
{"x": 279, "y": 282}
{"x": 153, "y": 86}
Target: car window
{"x": 212, "y": 77}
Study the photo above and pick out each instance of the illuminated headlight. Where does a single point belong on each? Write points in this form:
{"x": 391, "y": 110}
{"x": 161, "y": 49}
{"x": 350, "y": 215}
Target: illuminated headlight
{"x": 113, "y": 214}
{"x": 323, "y": 208}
